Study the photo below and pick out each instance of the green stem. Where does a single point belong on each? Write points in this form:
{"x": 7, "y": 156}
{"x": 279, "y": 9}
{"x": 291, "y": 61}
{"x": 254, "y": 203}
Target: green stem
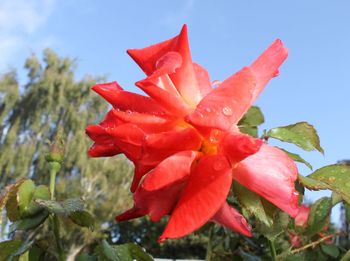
{"x": 272, "y": 250}
{"x": 54, "y": 169}
{"x": 209, "y": 245}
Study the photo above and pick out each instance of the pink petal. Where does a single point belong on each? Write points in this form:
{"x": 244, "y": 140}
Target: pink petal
{"x": 130, "y": 139}
{"x": 127, "y": 101}
{"x": 232, "y": 219}
{"x": 303, "y": 216}
{"x": 225, "y": 105}
{"x": 238, "y": 146}
{"x": 203, "y": 79}
{"x": 204, "y": 194}
{"x": 103, "y": 150}
{"x": 266, "y": 66}
{"x": 159, "y": 146}
{"x": 271, "y": 174}
{"x": 171, "y": 103}
{"x": 162, "y": 187}
{"x": 147, "y": 122}
{"x": 184, "y": 78}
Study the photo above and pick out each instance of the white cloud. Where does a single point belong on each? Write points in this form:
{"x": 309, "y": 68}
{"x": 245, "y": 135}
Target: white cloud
{"x": 19, "y": 22}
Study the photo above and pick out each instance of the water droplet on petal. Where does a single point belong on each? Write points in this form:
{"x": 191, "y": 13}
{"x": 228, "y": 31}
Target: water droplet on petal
{"x": 128, "y": 111}
{"x": 214, "y": 136}
{"x": 207, "y": 109}
{"x": 295, "y": 193}
{"x": 227, "y": 111}
{"x": 216, "y": 83}
{"x": 276, "y": 73}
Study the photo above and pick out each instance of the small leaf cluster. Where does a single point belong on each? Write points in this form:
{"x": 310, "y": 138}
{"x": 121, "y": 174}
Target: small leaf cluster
{"x": 28, "y": 207}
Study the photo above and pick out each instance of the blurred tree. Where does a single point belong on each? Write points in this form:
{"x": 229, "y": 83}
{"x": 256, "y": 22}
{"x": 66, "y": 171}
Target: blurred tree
{"x": 29, "y": 118}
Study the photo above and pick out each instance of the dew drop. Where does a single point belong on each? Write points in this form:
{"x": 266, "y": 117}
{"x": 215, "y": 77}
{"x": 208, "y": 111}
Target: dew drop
{"x": 227, "y": 111}
{"x": 296, "y": 194}
{"x": 128, "y": 111}
{"x": 207, "y": 109}
{"x": 214, "y": 136}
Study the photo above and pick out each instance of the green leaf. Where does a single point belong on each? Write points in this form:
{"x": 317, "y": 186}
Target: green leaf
{"x": 66, "y": 207}
{"x": 346, "y": 257}
{"x": 252, "y": 203}
{"x": 280, "y": 224}
{"x": 73, "y": 204}
{"x": 252, "y": 131}
{"x": 301, "y": 134}
{"x": 312, "y": 184}
{"x": 25, "y": 195}
{"x": 347, "y": 212}
{"x": 41, "y": 192}
{"x": 85, "y": 257}
{"x": 331, "y": 250}
{"x": 297, "y": 158}
{"x": 248, "y": 257}
{"x": 138, "y": 253}
{"x": 22, "y": 250}
{"x": 9, "y": 200}
{"x": 125, "y": 252}
{"x": 252, "y": 118}
{"x": 52, "y": 206}
{"x": 8, "y": 247}
{"x": 335, "y": 178}
{"x": 106, "y": 252}
{"x": 82, "y": 218}
{"x": 319, "y": 215}
{"x": 30, "y": 222}
{"x": 336, "y": 198}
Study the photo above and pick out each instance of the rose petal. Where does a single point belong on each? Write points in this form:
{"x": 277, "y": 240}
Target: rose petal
{"x": 238, "y": 146}
{"x": 130, "y": 139}
{"x": 103, "y": 150}
{"x": 232, "y": 219}
{"x": 124, "y": 100}
{"x": 204, "y": 194}
{"x": 266, "y": 66}
{"x": 184, "y": 78}
{"x": 203, "y": 79}
{"x": 171, "y": 103}
{"x": 162, "y": 187}
{"x": 159, "y": 146}
{"x": 147, "y": 122}
{"x": 225, "y": 105}
{"x": 303, "y": 216}
{"x": 271, "y": 174}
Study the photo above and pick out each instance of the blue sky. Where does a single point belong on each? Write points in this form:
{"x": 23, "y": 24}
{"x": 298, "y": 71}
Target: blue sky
{"x": 226, "y": 35}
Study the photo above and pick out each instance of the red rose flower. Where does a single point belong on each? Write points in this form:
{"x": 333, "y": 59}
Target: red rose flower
{"x": 183, "y": 137}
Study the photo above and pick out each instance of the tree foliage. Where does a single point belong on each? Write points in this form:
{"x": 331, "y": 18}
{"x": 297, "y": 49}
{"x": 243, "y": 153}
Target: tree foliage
{"x": 31, "y": 116}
